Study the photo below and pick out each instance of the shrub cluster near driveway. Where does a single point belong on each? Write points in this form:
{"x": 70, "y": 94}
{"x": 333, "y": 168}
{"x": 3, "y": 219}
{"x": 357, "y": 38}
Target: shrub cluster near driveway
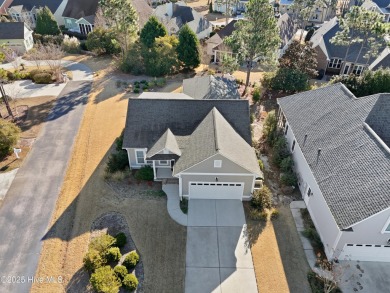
{"x": 118, "y": 160}
{"x": 102, "y": 261}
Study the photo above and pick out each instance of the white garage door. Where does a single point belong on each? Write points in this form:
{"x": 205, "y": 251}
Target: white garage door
{"x": 366, "y": 252}
{"x": 216, "y": 190}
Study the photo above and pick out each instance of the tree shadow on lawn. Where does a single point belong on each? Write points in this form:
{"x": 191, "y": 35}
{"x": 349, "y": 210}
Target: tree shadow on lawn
{"x": 79, "y": 283}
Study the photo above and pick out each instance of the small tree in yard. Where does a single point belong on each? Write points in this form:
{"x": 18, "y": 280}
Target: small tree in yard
{"x": 290, "y": 80}
{"x": 153, "y": 29}
{"x": 300, "y": 56}
{"x": 46, "y": 23}
{"x": 9, "y": 136}
{"x": 270, "y": 127}
{"x": 188, "y": 51}
{"x": 105, "y": 280}
{"x": 229, "y": 64}
{"x": 256, "y": 36}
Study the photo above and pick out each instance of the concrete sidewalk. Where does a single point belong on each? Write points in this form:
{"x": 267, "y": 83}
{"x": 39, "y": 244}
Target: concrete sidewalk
{"x": 173, "y": 204}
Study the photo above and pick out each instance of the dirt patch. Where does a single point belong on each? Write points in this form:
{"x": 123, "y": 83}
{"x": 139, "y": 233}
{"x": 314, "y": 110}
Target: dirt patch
{"x": 85, "y": 196}
{"x": 32, "y": 113}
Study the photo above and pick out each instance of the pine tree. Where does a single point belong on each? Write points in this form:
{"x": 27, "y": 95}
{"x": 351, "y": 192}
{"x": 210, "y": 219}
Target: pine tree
{"x": 188, "y": 51}
{"x": 46, "y": 23}
{"x": 153, "y": 29}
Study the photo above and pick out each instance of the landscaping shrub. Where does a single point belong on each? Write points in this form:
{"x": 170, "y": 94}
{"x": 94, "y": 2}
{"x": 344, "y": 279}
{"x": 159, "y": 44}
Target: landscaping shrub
{"x": 160, "y": 82}
{"x": 102, "y": 41}
{"x": 121, "y": 272}
{"x": 261, "y": 165}
{"x": 71, "y": 44}
{"x": 287, "y": 164}
{"x": 256, "y": 95}
{"x": 136, "y": 91}
{"x": 280, "y": 150}
{"x": 274, "y": 214}
{"x": 184, "y": 205}
{"x": 134, "y": 62}
{"x": 119, "y": 141}
{"x": 120, "y": 240}
{"x": 130, "y": 282}
{"x": 317, "y": 285}
{"x": 289, "y": 179}
{"x": 131, "y": 260}
{"x": 102, "y": 243}
{"x": 43, "y": 78}
{"x": 314, "y": 237}
{"x": 117, "y": 162}
{"x": 257, "y": 215}
{"x": 105, "y": 280}
{"x": 145, "y": 87}
{"x": 3, "y": 74}
{"x": 9, "y": 136}
{"x": 145, "y": 173}
{"x": 270, "y": 127}
{"x": 262, "y": 198}
{"x": 22, "y": 75}
{"x": 92, "y": 260}
{"x": 112, "y": 254}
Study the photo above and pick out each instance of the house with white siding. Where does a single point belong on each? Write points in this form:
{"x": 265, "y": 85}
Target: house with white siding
{"x": 341, "y": 150}
{"x": 16, "y": 36}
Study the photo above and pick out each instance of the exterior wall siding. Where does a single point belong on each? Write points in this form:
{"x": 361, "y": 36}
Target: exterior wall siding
{"x": 316, "y": 204}
{"x": 321, "y": 59}
{"x": 368, "y": 231}
{"x": 70, "y": 24}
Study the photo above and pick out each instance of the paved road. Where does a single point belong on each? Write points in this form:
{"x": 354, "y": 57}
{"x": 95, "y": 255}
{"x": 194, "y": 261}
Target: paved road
{"x": 26, "y": 211}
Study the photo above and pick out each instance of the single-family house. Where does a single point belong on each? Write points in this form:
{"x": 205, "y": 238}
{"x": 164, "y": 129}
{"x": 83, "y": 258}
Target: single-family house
{"x": 26, "y": 10}
{"x": 287, "y": 30}
{"x": 211, "y": 87}
{"x": 215, "y": 47}
{"x": 232, "y": 7}
{"x": 318, "y": 15}
{"x": 17, "y": 36}
{"x": 174, "y": 15}
{"x": 381, "y": 6}
{"x": 333, "y": 59}
{"x": 79, "y": 16}
{"x": 341, "y": 150}
{"x": 4, "y": 4}
{"x": 205, "y": 145}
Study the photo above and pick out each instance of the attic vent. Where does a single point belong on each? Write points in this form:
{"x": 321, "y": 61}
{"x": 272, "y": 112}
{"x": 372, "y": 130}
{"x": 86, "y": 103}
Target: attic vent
{"x": 217, "y": 163}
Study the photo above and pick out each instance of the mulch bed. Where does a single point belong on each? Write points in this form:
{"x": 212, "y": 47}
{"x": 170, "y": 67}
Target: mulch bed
{"x": 113, "y": 223}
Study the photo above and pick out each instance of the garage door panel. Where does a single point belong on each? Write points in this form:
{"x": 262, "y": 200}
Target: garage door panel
{"x": 216, "y": 190}
{"x": 366, "y": 252}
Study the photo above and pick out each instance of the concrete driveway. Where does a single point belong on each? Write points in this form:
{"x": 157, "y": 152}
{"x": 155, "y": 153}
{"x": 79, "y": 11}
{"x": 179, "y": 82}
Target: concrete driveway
{"x": 218, "y": 257}
{"x": 366, "y": 277}
{"x": 29, "y": 203}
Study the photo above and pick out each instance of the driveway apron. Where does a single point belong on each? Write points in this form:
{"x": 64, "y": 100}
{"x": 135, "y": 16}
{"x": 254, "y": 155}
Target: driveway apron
{"x": 218, "y": 256}
{"x": 26, "y": 211}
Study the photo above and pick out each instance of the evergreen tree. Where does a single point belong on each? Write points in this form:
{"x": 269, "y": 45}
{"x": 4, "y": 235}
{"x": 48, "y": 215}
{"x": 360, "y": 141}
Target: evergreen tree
{"x": 188, "y": 49}
{"x": 152, "y": 30}
{"x": 301, "y": 57}
{"x": 46, "y": 23}
{"x": 256, "y": 36}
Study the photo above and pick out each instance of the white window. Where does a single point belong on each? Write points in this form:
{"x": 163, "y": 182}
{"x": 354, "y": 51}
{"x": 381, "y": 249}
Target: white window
{"x": 140, "y": 156}
{"x": 386, "y": 228}
{"x": 163, "y": 163}
{"x": 334, "y": 63}
{"x": 217, "y": 163}
{"x": 358, "y": 69}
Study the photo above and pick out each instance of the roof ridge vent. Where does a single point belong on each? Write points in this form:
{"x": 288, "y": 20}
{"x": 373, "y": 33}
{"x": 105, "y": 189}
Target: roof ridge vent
{"x": 215, "y": 129}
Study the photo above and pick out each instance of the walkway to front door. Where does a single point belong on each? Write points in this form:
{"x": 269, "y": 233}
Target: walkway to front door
{"x": 218, "y": 256}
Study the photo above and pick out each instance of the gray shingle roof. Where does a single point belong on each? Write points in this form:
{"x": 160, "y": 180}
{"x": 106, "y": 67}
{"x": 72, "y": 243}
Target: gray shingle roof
{"x": 227, "y": 30}
{"x": 215, "y": 135}
{"x": 11, "y": 30}
{"x": 148, "y": 119}
{"x": 327, "y": 31}
{"x": 166, "y": 141}
{"x": 286, "y": 29}
{"x": 353, "y": 169}
{"x": 29, "y": 4}
{"x": 77, "y": 9}
{"x": 210, "y": 87}
{"x": 382, "y": 3}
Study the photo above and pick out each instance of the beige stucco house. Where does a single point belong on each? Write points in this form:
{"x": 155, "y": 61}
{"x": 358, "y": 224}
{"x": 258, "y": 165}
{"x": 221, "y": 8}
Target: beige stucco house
{"x": 205, "y": 145}
{"x": 341, "y": 150}
{"x": 17, "y": 36}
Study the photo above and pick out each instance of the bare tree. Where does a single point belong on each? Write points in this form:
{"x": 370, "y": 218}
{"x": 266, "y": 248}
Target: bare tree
{"x": 100, "y": 20}
{"x": 35, "y": 55}
{"x": 11, "y": 56}
{"x": 51, "y": 55}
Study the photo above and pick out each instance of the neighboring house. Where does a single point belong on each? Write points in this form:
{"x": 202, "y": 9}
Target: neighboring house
{"x": 233, "y": 7}
{"x": 17, "y": 36}
{"x": 341, "y": 150}
{"x": 381, "y": 6}
{"x": 203, "y": 144}
{"x": 26, "y": 10}
{"x": 175, "y": 15}
{"x": 287, "y": 30}
{"x": 4, "y": 4}
{"x": 211, "y": 87}
{"x": 215, "y": 46}
{"x": 318, "y": 15}
{"x": 79, "y": 16}
{"x": 332, "y": 58}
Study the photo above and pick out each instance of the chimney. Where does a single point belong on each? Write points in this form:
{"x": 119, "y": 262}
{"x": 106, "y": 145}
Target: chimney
{"x": 169, "y": 9}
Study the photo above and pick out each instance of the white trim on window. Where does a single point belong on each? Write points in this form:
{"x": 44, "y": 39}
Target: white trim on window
{"x": 137, "y": 156}
{"x": 386, "y": 227}
{"x": 335, "y": 63}
{"x": 358, "y": 69}
{"x": 217, "y": 163}
{"x": 163, "y": 163}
